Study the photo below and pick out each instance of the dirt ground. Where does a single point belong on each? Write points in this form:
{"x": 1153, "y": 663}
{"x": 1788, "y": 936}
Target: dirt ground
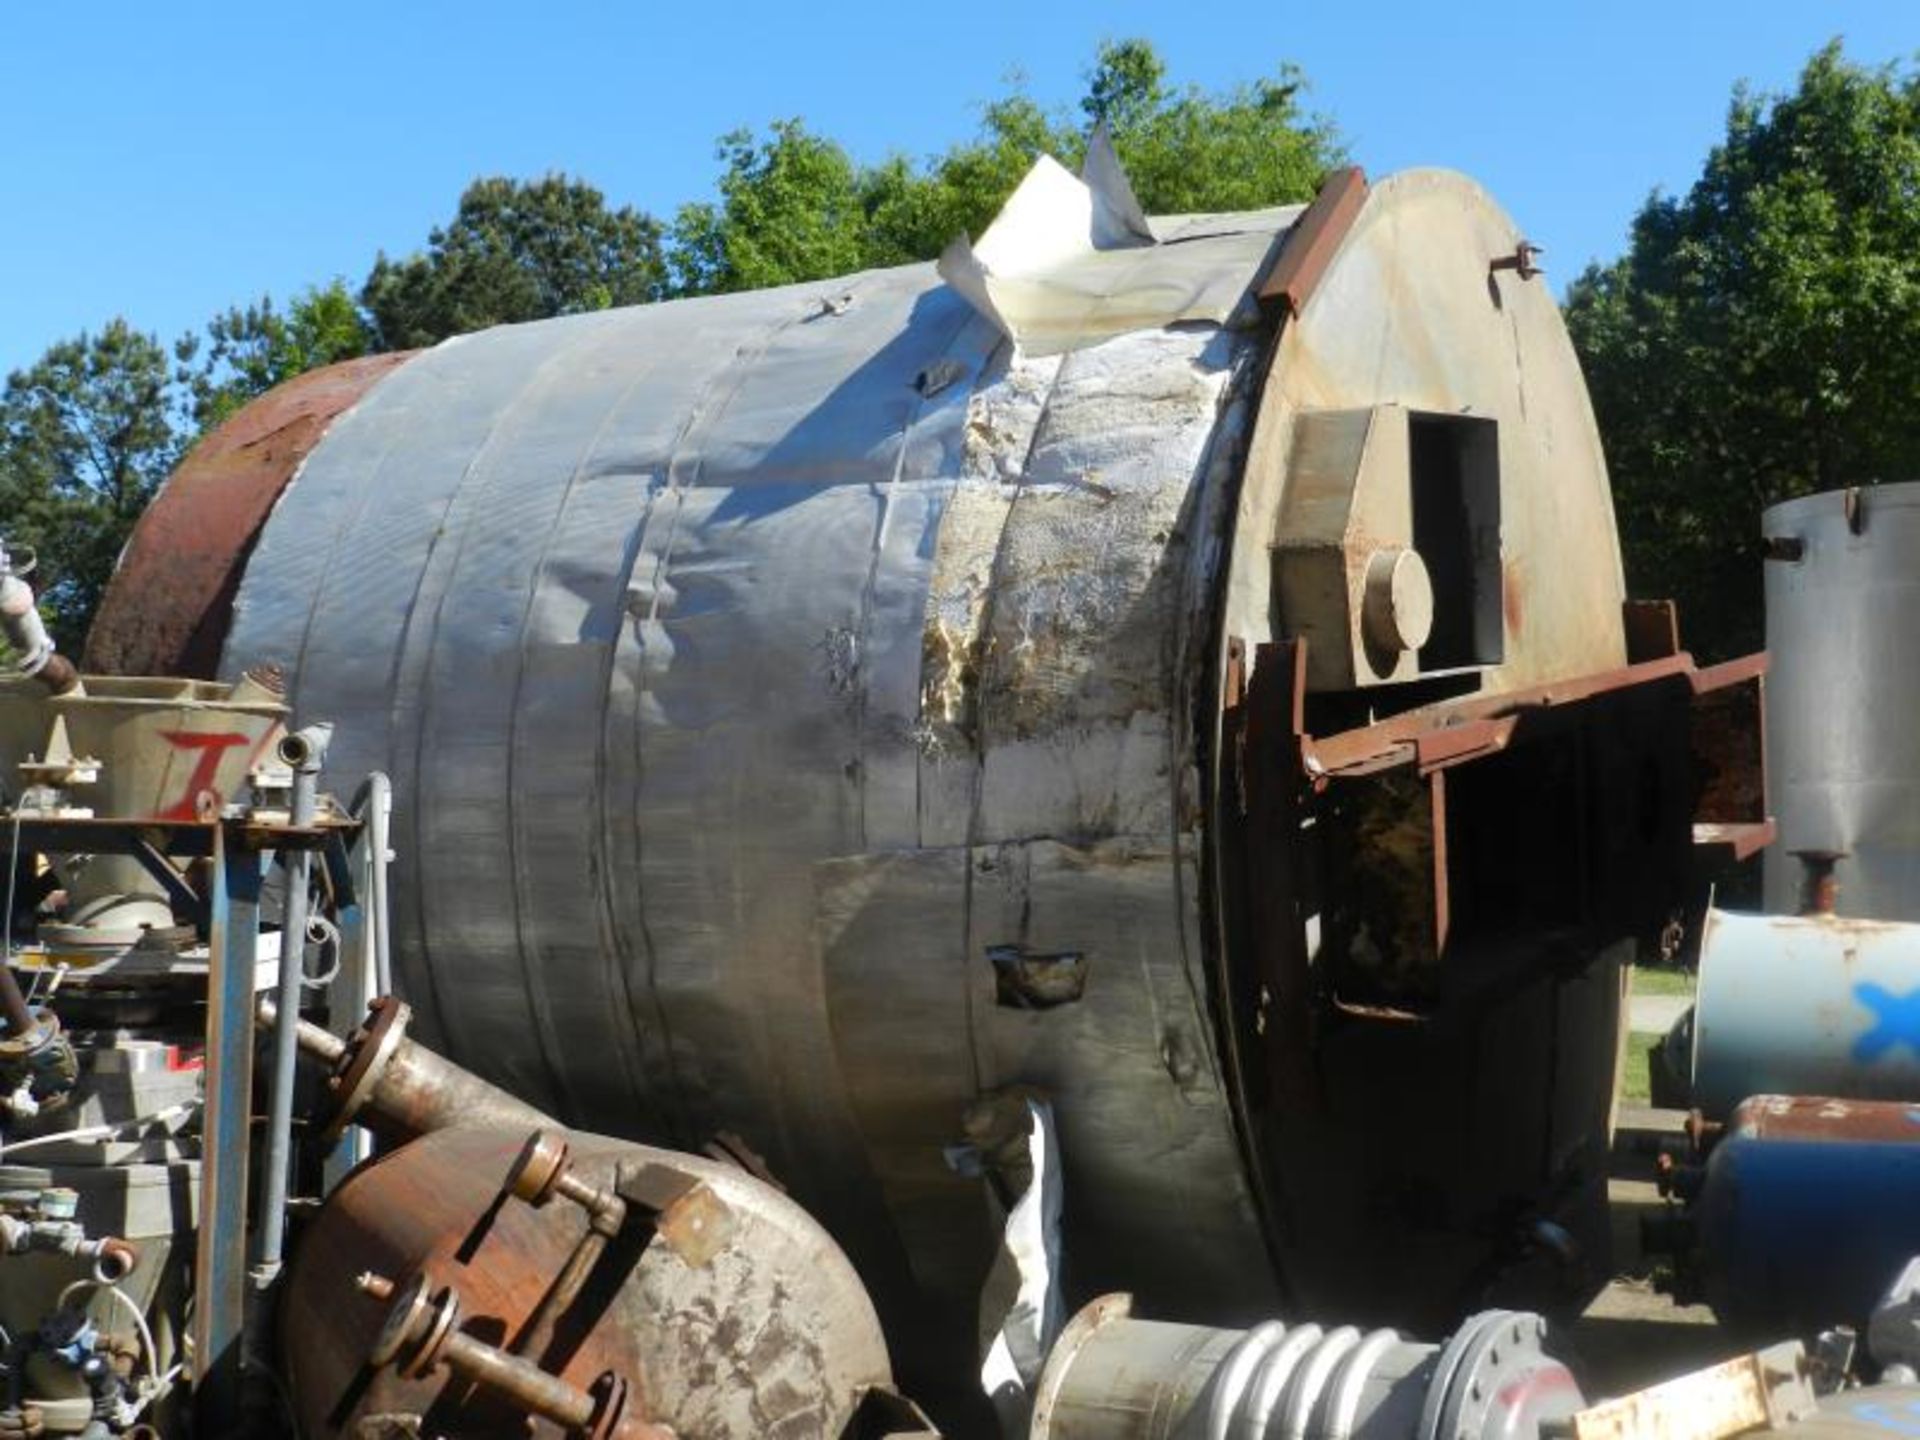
{"x": 1633, "y": 1335}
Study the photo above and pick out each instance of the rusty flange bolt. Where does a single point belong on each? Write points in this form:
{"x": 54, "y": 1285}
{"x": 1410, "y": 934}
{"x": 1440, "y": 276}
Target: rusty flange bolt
{"x": 544, "y": 1169}
{"x": 422, "y": 1333}
{"x": 542, "y": 1161}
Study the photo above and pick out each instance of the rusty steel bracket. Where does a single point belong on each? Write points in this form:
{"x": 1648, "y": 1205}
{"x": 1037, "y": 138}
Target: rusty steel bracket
{"x": 688, "y": 1217}
{"x": 1309, "y": 247}
{"x": 1693, "y": 731}
{"x": 1467, "y": 730}
{"x": 422, "y": 1333}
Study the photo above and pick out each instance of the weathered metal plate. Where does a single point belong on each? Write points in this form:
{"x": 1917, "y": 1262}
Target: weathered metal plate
{"x": 165, "y": 611}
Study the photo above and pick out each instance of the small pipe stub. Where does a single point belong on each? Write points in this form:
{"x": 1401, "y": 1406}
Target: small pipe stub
{"x": 1819, "y": 885}
{"x": 1521, "y": 260}
{"x": 364, "y": 1061}
{"x": 539, "y": 1167}
{"x": 422, "y": 1333}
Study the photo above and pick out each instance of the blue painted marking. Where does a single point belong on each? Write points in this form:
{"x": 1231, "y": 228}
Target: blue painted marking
{"x": 1896, "y": 1020}
{"x": 1881, "y": 1418}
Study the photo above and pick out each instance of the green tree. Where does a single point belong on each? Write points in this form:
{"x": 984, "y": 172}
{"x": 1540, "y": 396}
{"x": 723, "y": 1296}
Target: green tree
{"x": 87, "y": 433}
{"x": 1761, "y": 337}
{"x": 793, "y": 206}
{"x": 250, "y": 351}
{"x": 1187, "y": 151}
{"x": 515, "y": 250}
{"x": 790, "y": 208}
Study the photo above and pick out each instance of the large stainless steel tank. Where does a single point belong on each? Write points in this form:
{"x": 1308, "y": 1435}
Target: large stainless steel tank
{"x": 1843, "y": 755}
{"x": 815, "y": 716}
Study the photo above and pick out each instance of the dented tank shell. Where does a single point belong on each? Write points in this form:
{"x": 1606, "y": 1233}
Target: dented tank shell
{"x": 805, "y": 715}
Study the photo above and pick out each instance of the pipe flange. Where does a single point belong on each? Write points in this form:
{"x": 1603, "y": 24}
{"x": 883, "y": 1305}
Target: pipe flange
{"x": 1081, "y": 1328}
{"x": 610, "y": 1396}
{"x": 20, "y": 1049}
{"x": 1493, "y": 1378}
{"x": 538, "y": 1168}
{"x": 369, "y": 1049}
{"x": 446, "y": 1314}
{"x": 409, "y": 1315}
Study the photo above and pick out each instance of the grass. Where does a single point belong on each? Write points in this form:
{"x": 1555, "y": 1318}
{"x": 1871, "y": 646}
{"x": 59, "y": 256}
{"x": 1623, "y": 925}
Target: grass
{"x": 1636, "y": 1087}
{"x": 1649, "y": 981}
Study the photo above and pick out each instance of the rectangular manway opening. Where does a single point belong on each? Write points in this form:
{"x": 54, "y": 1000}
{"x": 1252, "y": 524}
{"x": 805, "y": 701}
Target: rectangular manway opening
{"x": 1456, "y": 529}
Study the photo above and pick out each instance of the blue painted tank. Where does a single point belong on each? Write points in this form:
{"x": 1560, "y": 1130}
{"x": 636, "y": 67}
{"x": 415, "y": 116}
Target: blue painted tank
{"x": 1803, "y": 1217}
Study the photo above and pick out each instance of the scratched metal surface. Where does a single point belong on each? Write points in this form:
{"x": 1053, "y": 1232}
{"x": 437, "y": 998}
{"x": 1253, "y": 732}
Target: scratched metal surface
{"x": 750, "y": 669}
{"x": 1805, "y": 1005}
{"x": 1843, "y": 753}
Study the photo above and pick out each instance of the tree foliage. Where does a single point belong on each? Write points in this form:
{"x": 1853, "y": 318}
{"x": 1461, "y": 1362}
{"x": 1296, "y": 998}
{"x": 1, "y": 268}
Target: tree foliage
{"x": 515, "y": 250}
{"x": 794, "y": 206}
{"x": 87, "y": 434}
{"x": 1761, "y": 337}
{"x": 250, "y": 351}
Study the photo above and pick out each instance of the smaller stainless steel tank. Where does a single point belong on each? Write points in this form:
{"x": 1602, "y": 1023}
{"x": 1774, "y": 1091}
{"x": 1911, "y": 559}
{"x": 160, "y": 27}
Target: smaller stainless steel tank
{"x": 1843, "y": 753}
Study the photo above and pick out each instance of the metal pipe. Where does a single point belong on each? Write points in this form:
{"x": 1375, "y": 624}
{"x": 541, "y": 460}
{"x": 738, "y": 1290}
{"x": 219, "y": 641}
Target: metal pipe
{"x": 395, "y": 1086}
{"x": 379, "y": 820}
{"x": 27, "y": 634}
{"x": 303, "y": 750}
{"x": 542, "y": 1171}
{"x": 316, "y": 1042}
{"x": 1111, "y": 1377}
{"x": 423, "y": 1332}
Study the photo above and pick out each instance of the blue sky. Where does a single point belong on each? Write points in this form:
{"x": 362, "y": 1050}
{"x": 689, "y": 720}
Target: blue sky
{"x": 162, "y": 161}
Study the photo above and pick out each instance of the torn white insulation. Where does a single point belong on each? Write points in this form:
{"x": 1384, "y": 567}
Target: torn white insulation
{"x": 1030, "y": 1248}
{"x": 1070, "y": 261}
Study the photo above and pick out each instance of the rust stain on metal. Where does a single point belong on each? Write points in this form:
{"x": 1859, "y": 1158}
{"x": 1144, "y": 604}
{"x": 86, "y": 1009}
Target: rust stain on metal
{"x": 166, "y": 609}
{"x": 1513, "y": 605}
{"x": 1310, "y": 246}
{"x": 697, "y": 1226}
{"x": 1761, "y": 1391}
{"x": 1821, "y": 1117}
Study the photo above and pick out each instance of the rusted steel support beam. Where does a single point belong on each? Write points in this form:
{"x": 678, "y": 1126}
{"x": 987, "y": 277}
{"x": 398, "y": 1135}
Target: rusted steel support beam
{"x": 1310, "y": 246}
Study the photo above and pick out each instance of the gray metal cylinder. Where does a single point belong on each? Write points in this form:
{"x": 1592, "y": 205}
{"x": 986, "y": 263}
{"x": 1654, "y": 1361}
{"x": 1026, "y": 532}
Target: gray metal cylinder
{"x": 1112, "y": 1377}
{"x": 1843, "y": 753}
{"x": 807, "y": 718}
{"x": 1805, "y": 1005}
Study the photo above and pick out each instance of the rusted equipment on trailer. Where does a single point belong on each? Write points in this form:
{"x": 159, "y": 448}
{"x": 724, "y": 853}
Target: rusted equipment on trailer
{"x": 487, "y": 1274}
{"x": 819, "y": 712}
